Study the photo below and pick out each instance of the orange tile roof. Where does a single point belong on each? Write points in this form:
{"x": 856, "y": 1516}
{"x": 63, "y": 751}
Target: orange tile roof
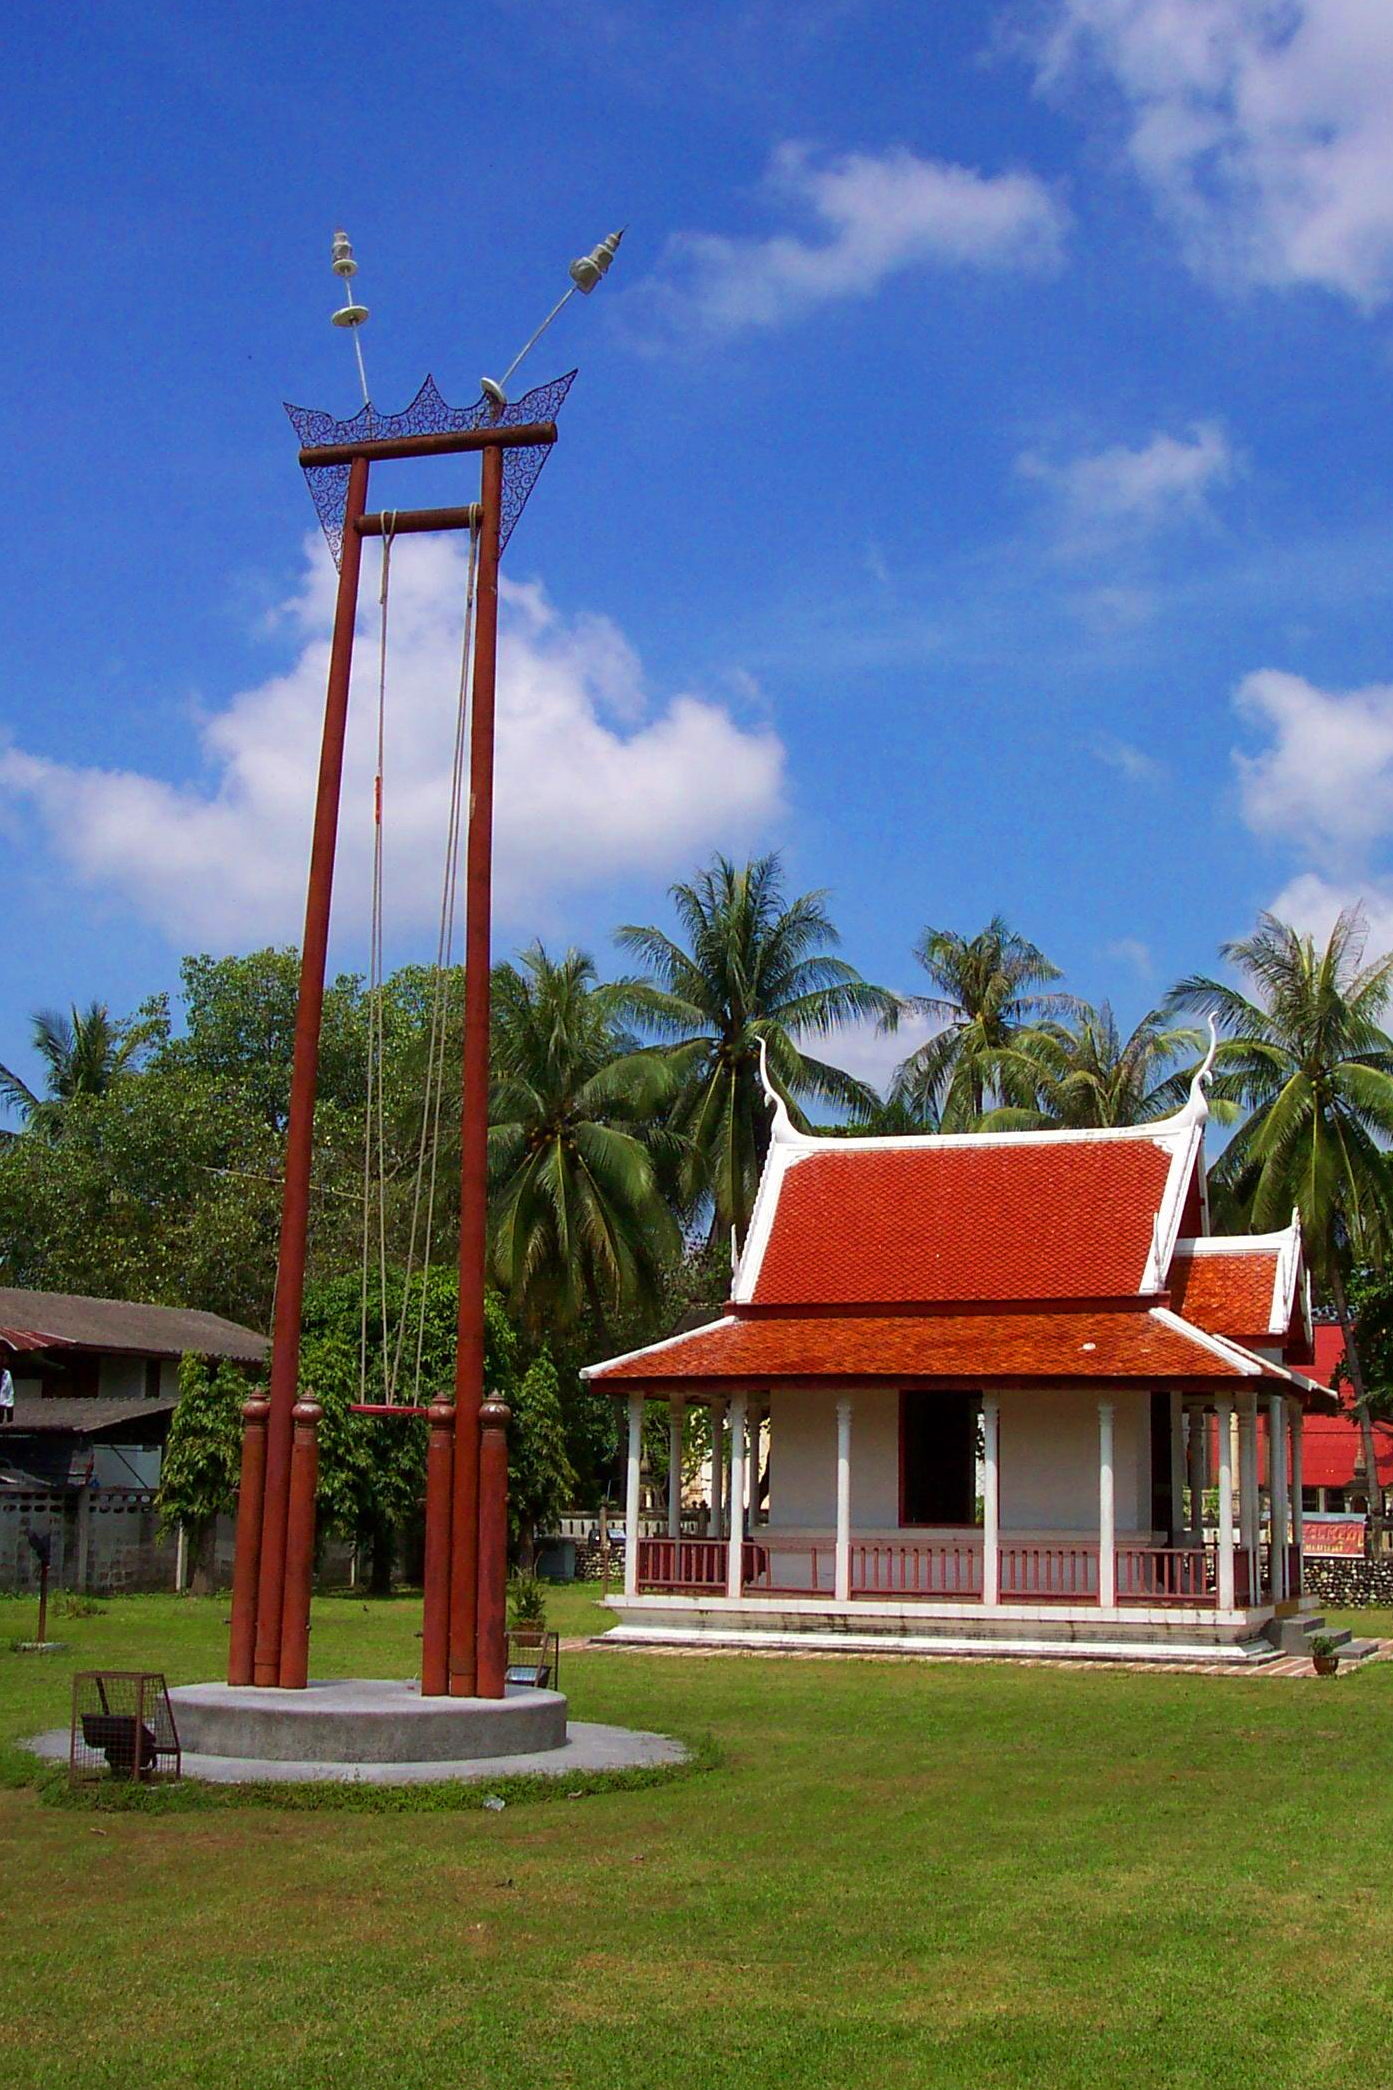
{"x": 1084, "y": 1343}
{"x": 866, "y": 1226}
{"x": 1230, "y": 1294}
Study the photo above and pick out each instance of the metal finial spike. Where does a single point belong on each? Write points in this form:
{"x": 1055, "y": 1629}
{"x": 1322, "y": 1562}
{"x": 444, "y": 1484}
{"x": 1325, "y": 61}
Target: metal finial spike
{"x": 591, "y": 268}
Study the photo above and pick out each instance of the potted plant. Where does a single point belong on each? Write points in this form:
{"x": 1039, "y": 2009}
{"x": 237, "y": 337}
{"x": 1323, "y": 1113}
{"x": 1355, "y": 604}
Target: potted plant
{"x": 1325, "y": 1654}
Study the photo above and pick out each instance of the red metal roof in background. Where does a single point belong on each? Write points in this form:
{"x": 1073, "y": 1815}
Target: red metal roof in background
{"x": 1058, "y": 1220}
{"x": 1331, "y": 1444}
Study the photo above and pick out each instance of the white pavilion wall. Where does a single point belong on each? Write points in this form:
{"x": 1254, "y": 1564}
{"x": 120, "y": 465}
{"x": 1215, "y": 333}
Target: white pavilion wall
{"x": 1049, "y": 1460}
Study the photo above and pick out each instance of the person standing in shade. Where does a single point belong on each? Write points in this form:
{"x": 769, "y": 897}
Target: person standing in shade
{"x": 7, "y": 1395}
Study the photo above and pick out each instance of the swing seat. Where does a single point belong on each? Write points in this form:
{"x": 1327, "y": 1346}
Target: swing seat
{"x": 385, "y": 1408}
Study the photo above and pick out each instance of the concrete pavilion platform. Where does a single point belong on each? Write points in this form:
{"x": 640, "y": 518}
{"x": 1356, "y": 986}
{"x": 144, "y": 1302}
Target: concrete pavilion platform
{"x": 385, "y": 1733}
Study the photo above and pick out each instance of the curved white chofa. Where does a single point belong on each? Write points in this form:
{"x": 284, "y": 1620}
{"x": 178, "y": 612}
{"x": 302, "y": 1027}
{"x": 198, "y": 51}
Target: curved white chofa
{"x": 782, "y": 1128}
{"x": 1197, "y": 1109}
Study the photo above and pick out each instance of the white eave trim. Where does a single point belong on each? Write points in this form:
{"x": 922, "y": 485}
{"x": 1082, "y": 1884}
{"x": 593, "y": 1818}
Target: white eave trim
{"x": 668, "y": 1342}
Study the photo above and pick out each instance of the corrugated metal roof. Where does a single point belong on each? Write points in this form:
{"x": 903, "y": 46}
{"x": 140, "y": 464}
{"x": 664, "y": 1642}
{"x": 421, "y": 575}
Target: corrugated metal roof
{"x": 69, "y": 1320}
{"x": 71, "y": 1415}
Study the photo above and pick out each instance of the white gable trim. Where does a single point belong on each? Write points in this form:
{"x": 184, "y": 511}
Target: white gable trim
{"x": 1243, "y": 1361}
{"x": 668, "y": 1342}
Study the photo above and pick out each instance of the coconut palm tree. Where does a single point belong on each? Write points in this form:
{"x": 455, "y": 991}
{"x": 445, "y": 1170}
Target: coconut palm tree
{"x": 987, "y": 990}
{"x": 1310, "y": 1061}
{"x": 577, "y": 1216}
{"x": 1085, "y": 1075}
{"x": 756, "y": 966}
{"x": 82, "y": 1053}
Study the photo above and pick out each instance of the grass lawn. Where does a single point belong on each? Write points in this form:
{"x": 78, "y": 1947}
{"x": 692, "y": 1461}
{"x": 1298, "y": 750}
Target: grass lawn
{"x": 897, "y": 1874}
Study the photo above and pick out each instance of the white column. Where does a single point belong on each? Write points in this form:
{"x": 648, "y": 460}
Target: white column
{"x": 676, "y": 1410}
{"x": 735, "y": 1541}
{"x": 1298, "y": 1514}
{"x": 1177, "y": 1407}
{"x": 1224, "y": 1412}
{"x": 991, "y": 1500}
{"x": 1195, "y": 1463}
{"x": 1277, "y": 1493}
{"x": 718, "y": 1468}
{"x": 1249, "y": 1526}
{"x": 843, "y": 1562}
{"x": 1107, "y": 1511}
{"x": 752, "y": 1466}
{"x": 631, "y": 1494}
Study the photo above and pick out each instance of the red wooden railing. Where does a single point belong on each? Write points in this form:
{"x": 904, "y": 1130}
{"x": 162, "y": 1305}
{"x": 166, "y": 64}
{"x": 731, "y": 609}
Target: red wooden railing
{"x": 916, "y": 1571}
{"x": 1168, "y": 1574}
{"x": 776, "y": 1570}
{"x": 670, "y": 1564}
{"x": 1049, "y": 1573}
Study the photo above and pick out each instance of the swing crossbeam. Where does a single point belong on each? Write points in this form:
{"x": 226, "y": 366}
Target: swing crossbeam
{"x": 527, "y": 435}
{"x": 407, "y": 522}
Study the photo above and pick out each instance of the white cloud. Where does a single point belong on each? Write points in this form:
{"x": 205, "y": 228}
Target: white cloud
{"x": 1160, "y": 482}
{"x": 1261, "y": 127}
{"x": 1131, "y": 762}
{"x": 869, "y": 216}
{"x": 593, "y": 779}
{"x": 1324, "y": 782}
{"x": 1323, "y": 785}
{"x": 1132, "y": 951}
{"x": 871, "y": 1054}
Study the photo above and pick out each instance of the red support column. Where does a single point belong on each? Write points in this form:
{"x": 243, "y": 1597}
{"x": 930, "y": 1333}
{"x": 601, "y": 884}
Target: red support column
{"x": 494, "y": 1418}
{"x": 435, "y": 1636}
{"x": 242, "y": 1652}
{"x": 290, "y": 1272}
{"x": 299, "y": 1546}
{"x": 474, "y": 1107}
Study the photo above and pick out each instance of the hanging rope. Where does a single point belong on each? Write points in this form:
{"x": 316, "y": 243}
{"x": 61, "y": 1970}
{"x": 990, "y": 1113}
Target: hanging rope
{"x": 428, "y": 1151}
{"x": 374, "y": 1140}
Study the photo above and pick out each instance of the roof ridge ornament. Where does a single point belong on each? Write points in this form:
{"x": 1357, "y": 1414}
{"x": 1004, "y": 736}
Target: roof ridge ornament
{"x": 783, "y": 1131}
{"x": 1196, "y": 1110}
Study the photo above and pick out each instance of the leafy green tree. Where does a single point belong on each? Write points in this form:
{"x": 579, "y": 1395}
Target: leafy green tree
{"x": 578, "y": 1219}
{"x": 83, "y": 1054}
{"x": 541, "y": 1482}
{"x": 372, "y": 1470}
{"x": 203, "y": 1454}
{"x": 756, "y": 966}
{"x": 987, "y": 990}
{"x": 163, "y": 1189}
{"x": 1309, "y": 1061}
{"x": 1085, "y": 1075}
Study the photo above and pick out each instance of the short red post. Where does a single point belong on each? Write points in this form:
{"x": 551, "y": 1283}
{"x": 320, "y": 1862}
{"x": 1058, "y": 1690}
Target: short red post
{"x": 440, "y": 1471}
{"x": 494, "y": 1418}
{"x": 299, "y": 1546}
{"x": 242, "y": 1652}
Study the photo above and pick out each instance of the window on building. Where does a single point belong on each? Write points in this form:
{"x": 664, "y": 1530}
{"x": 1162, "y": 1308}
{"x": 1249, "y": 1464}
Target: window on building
{"x": 1310, "y": 1501}
{"x": 152, "y": 1378}
{"x": 940, "y": 1446}
{"x": 1336, "y": 1501}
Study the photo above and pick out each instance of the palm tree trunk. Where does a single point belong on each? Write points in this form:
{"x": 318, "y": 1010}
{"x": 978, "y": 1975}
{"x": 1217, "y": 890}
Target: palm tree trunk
{"x": 1361, "y": 1402}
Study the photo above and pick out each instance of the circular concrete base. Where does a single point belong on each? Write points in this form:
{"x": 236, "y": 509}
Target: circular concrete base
{"x": 361, "y": 1721}
{"x": 588, "y": 1747}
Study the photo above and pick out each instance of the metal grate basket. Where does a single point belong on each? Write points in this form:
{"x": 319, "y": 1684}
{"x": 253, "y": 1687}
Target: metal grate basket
{"x": 123, "y": 1727}
{"x": 534, "y": 1658}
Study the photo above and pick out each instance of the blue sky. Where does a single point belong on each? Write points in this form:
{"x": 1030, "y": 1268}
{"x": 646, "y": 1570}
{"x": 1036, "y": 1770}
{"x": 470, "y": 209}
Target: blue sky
{"x": 975, "y": 485}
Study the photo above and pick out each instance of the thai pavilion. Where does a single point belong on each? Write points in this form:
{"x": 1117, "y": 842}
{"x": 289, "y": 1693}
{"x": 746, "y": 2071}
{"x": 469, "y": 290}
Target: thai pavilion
{"x": 994, "y": 1387}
